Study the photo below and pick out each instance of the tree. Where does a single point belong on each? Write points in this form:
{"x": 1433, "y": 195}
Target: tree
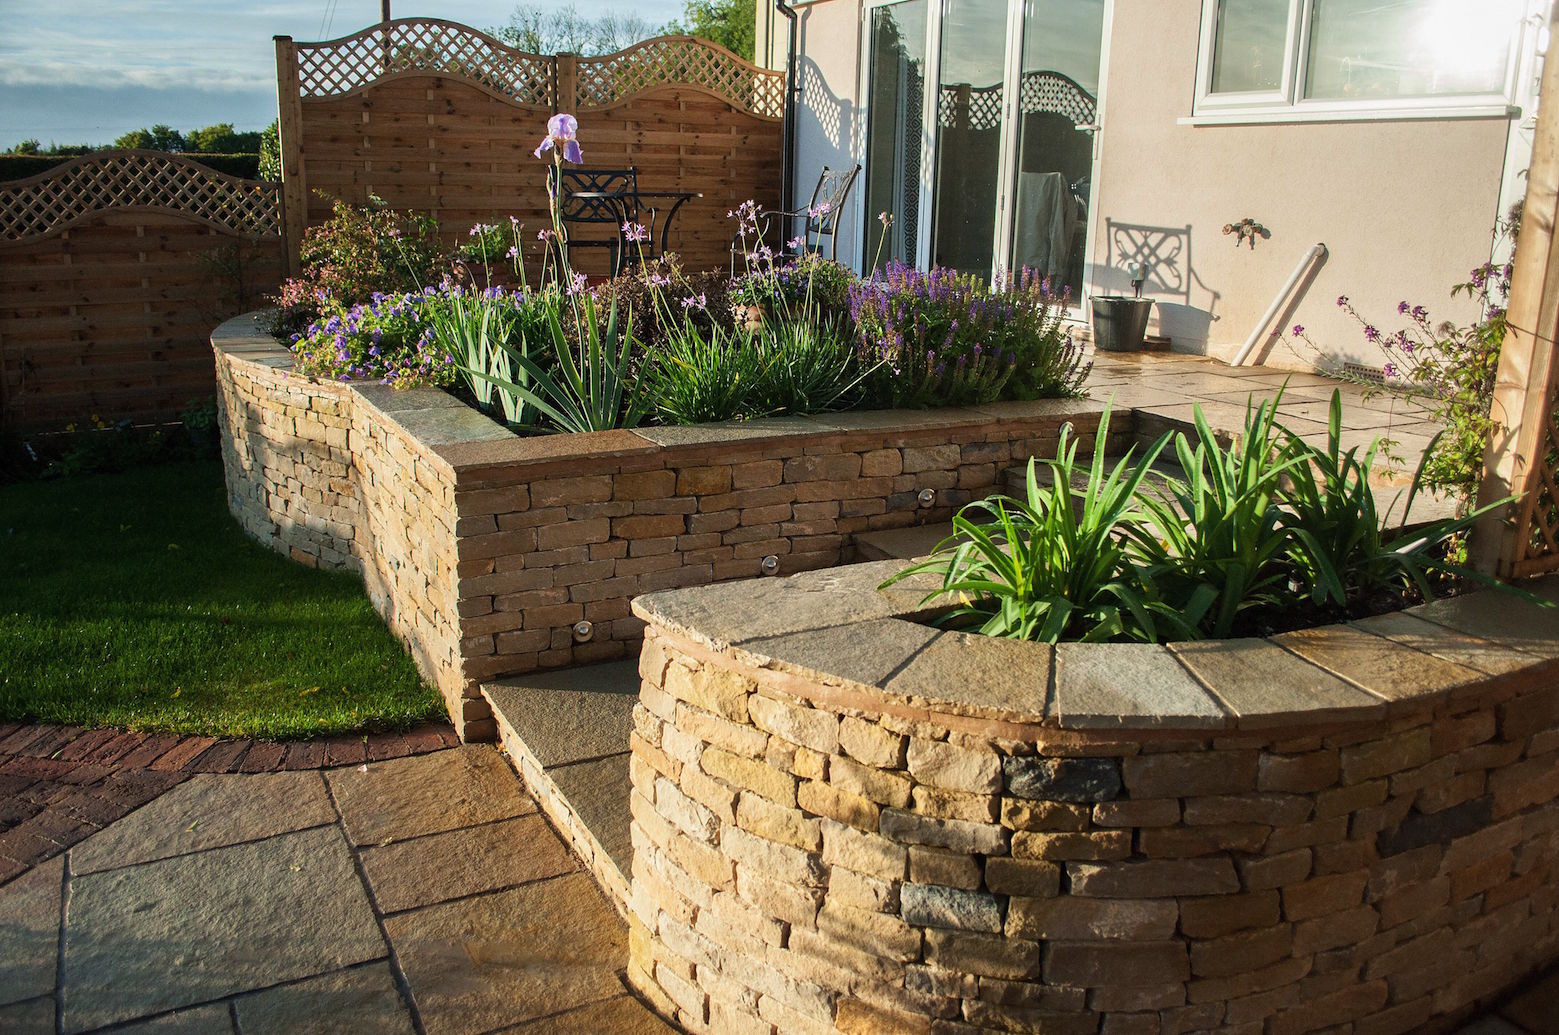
{"x": 730, "y": 23}
{"x": 159, "y": 138}
{"x": 27, "y": 147}
{"x": 539, "y": 30}
{"x": 221, "y": 139}
{"x": 270, "y": 151}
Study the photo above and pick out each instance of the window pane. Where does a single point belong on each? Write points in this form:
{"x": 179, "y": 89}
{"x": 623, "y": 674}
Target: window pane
{"x": 1362, "y": 49}
{"x": 1250, "y": 45}
{"x": 969, "y": 108}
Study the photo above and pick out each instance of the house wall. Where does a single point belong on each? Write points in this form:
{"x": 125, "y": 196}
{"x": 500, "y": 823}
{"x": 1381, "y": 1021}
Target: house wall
{"x": 1405, "y": 208}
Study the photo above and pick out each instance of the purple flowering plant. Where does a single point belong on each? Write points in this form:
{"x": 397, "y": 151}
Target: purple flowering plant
{"x": 1446, "y": 368}
{"x": 943, "y": 339}
{"x": 388, "y": 339}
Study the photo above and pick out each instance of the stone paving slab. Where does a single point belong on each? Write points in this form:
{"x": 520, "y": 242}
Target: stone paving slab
{"x": 597, "y": 791}
{"x": 210, "y": 1019}
{"x": 409, "y": 797}
{"x": 194, "y": 928}
{"x": 60, "y": 784}
{"x": 624, "y": 1015}
{"x": 482, "y": 963}
{"x": 360, "y": 1001}
{"x": 32, "y": 1017}
{"x": 30, "y": 932}
{"x": 208, "y": 812}
{"x": 459, "y": 863}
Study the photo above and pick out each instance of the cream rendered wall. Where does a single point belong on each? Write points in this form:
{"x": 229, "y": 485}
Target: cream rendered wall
{"x": 829, "y": 126}
{"x": 1405, "y": 208}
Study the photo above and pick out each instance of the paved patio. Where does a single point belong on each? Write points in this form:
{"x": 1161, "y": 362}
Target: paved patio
{"x": 424, "y": 894}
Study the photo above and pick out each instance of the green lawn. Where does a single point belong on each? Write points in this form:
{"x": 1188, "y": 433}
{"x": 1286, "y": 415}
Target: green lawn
{"x": 134, "y": 600}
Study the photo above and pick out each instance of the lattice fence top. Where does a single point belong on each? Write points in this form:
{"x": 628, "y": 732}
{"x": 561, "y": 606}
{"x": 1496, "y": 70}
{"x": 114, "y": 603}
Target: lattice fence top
{"x": 423, "y": 45}
{"x": 1038, "y": 91}
{"x": 672, "y": 60}
{"x": 58, "y": 197}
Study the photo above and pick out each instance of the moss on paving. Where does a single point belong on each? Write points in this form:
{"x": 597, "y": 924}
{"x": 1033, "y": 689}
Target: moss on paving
{"x": 134, "y": 600}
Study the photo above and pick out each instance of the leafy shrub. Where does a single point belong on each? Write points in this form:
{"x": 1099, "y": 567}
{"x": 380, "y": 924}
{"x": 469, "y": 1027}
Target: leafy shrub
{"x": 943, "y": 339}
{"x": 654, "y": 292}
{"x": 791, "y": 288}
{"x": 358, "y": 252}
{"x": 1264, "y": 534}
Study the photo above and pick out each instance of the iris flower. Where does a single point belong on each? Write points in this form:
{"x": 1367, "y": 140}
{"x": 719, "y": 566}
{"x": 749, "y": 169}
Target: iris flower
{"x": 562, "y": 131}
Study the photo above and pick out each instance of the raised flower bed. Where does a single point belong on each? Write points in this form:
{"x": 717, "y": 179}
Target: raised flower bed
{"x": 847, "y": 820}
{"x": 486, "y": 549}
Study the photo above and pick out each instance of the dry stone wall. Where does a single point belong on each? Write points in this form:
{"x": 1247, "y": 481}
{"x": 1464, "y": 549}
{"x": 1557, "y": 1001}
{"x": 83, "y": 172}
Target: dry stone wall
{"x": 486, "y": 550}
{"x": 855, "y": 823}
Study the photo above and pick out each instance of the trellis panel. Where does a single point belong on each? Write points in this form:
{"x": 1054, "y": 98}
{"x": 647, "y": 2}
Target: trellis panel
{"x": 114, "y": 268}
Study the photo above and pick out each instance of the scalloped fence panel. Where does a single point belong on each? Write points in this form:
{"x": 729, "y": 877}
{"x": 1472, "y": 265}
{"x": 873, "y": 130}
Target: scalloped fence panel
{"x": 435, "y": 116}
{"x": 114, "y": 268}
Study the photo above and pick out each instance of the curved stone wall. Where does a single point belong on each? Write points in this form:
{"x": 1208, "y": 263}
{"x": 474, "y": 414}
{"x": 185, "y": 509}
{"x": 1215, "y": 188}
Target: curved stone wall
{"x": 485, "y": 549}
{"x": 846, "y": 821}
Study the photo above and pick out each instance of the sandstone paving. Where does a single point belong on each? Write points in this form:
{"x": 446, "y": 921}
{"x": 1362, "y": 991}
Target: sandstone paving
{"x": 29, "y": 933}
{"x": 623, "y": 1015}
{"x": 458, "y": 863}
{"x": 358, "y": 1001}
{"x": 597, "y": 792}
{"x": 208, "y": 811}
{"x": 495, "y": 960}
{"x": 31, "y": 1017}
{"x": 426, "y": 794}
{"x": 571, "y": 715}
{"x": 210, "y": 1019}
{"x": 194, "y": 928}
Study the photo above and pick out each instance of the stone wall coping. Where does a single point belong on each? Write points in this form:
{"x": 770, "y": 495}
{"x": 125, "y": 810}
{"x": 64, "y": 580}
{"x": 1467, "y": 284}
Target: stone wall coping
{"x": 473, "y": 445}
{"x": 836, "y": 630}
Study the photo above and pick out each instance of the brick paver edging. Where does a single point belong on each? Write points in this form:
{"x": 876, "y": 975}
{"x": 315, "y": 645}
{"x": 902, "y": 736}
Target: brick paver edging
{"x": 60, "y": 784}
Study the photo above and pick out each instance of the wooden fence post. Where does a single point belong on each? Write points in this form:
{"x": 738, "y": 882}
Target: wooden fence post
{"x": 294, "y": 179}
{"x": 565, "y": 82}
{"x": 1515, "y": 461}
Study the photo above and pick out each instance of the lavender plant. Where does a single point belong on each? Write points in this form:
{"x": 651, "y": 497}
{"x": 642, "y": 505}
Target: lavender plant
{"x": 942, "y": 338}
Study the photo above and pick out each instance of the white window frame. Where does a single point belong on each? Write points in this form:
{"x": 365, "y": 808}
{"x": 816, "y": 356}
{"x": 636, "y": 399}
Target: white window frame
{"x": 1288, "y": 103}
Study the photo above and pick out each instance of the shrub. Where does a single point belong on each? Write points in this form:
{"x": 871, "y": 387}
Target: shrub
{"x": 943, "y": 339}
{"x": 358, "y": 252}
{"x": 790, "y": 288}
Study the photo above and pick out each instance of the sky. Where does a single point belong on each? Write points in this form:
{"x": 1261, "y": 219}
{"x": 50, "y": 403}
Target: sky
{"x": 87, "y": 71}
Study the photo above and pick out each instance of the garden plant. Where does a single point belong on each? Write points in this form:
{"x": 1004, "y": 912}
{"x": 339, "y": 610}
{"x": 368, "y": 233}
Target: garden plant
{"x": 1264, "y": 534}
{"x": 785, "y": 335}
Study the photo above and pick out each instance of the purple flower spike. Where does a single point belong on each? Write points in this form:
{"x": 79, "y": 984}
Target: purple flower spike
{"x": 562, "y": 132}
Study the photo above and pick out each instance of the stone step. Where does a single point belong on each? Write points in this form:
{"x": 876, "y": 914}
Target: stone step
{"x": 890, "y": 544}
{"x": 567, "y": 733}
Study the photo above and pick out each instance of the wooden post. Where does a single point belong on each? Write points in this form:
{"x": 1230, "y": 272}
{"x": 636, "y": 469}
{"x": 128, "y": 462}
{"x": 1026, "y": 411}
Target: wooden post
{"x": 565, "y": 82}
{"x": 1514, "y": 462}
{"x": 294, "y": 179}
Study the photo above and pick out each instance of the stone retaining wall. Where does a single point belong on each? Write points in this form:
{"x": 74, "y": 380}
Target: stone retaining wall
{"x": 844, "y": 821}
{"x": 486, "y": 549}
{"x": 322, "y": 473}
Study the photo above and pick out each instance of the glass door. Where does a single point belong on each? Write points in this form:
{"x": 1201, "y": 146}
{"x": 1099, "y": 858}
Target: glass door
{"x": 1056, "y": 125}
{"x": 980, "y": 129}
{"x": 972, "y": 92}
{"x": 895, "y": 129}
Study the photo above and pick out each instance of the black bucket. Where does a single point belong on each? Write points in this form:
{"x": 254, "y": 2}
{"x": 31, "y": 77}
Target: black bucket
{"x": 1120, "y": 323}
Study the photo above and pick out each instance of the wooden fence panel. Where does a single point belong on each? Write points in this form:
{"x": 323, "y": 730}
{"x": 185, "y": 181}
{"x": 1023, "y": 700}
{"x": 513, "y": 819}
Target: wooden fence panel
{"x": 113, "y": 271}
{"x": 437, "y": 117}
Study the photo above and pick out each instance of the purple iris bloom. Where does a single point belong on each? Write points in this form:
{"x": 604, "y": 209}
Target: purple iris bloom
{"x": 562, "y": 131}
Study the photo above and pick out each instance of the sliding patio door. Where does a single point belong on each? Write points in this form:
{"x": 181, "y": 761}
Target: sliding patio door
{"x": 895, "y": 130}
{"x": 999, "y": 174}
{"x": 972, "y": 128}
